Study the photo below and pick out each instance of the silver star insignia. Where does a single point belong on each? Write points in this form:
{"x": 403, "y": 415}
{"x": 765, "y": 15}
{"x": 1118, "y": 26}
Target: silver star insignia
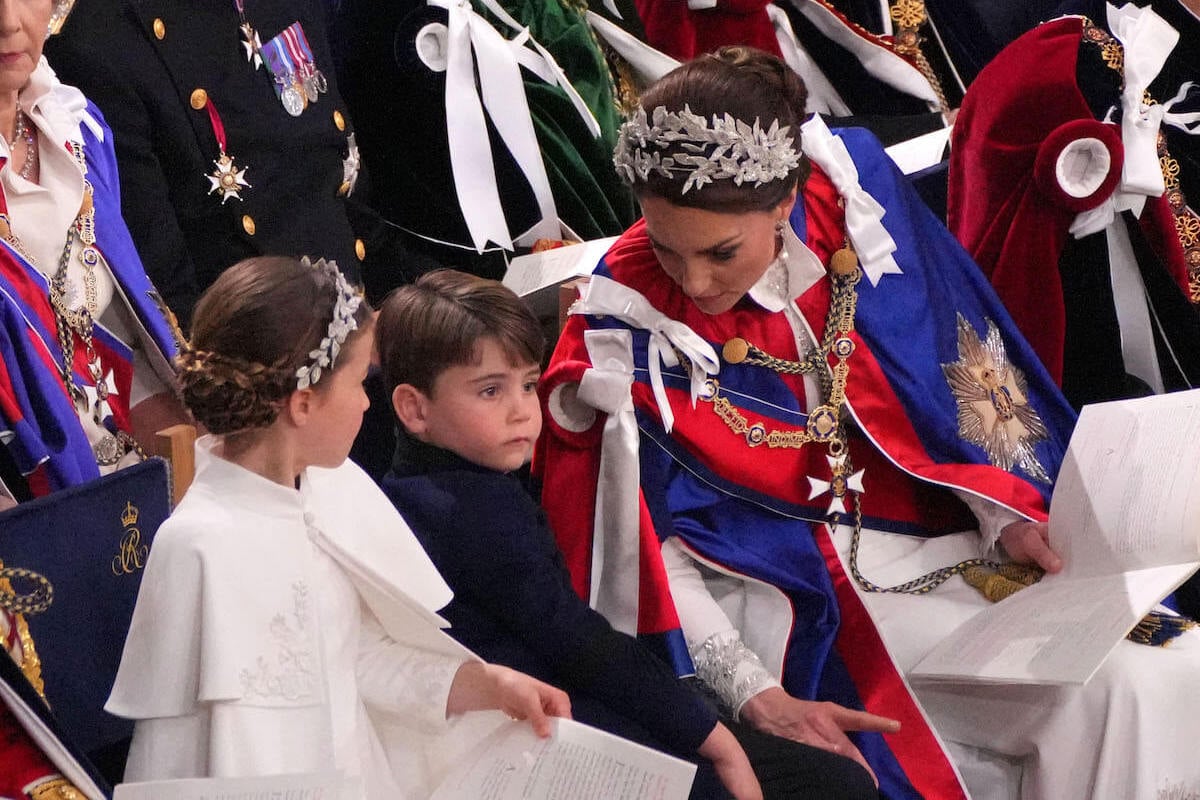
{"x": 350, "y": 166}
{"x": 993, "y": 402}
{"x": 227, "y": 179}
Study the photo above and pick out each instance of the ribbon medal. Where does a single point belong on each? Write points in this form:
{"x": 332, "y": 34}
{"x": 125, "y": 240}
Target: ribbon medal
{"x": 289, "y": 57}
{"x": 313, "y": 79}
{"x": 226, "y": 179}
{"x": 250, "y": 36}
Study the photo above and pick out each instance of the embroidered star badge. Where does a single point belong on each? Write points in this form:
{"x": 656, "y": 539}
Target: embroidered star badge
{"x": 839, "y": 486}
{"x": 993, "y": 402}
{"x": 349, "y": 167}
{"x": 227, "y": 179}
{"x": 252, "y": 44}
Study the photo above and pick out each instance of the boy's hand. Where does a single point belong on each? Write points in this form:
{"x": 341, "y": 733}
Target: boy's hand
{"x": 732, "y": 766}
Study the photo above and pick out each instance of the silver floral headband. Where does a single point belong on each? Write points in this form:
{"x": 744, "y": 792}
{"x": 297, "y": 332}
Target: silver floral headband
{"x": 725, "y": 148}
{"x": 324, "y": 356}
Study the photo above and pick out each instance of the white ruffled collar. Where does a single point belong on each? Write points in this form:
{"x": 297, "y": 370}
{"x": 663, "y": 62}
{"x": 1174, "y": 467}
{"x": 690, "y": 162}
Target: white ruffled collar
{"x": 790, "y": 275}
{"x": 55, "y": 108}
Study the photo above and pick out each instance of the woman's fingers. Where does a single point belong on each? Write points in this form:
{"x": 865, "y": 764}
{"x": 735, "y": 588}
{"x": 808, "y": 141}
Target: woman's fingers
{"x": 849, "y": 719}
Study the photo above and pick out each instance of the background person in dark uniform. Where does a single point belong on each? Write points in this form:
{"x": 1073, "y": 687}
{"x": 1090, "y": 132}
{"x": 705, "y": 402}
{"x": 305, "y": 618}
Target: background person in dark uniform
{"x": 169, "y": 75}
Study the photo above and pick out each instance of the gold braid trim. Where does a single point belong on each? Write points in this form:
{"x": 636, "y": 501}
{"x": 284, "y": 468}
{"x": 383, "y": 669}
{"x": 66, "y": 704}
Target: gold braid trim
{"x": 31, "y": 662}
{"x": 1187, "y": 221}
{"x": 909, "y": 16}
{"x": 921, "y": 585}
{"x": 56, "y": 789}
{"x": 12, "y": 603}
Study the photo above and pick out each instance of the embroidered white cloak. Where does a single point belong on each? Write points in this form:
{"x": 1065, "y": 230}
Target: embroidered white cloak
{"x": 283, "y": 631}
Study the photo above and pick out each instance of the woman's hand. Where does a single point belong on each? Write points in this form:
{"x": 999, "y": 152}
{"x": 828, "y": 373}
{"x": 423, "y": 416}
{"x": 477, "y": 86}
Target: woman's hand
{"x": 732, "y": 766}
{"x": 1029, "y": 543}
{"x": 814, "y": 723}
{"x": 478, "y": 686}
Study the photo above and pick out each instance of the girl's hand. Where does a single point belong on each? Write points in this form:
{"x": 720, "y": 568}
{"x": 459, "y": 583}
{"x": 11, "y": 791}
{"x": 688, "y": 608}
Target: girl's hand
{"x": 478, "y": 686}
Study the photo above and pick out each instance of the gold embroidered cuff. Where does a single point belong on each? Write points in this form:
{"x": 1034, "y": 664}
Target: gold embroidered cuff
{"x": 58, "y": 788}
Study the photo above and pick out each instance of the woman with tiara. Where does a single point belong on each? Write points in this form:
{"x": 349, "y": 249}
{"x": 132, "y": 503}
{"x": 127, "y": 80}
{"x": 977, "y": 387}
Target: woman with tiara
{"x": 803, "y": 414}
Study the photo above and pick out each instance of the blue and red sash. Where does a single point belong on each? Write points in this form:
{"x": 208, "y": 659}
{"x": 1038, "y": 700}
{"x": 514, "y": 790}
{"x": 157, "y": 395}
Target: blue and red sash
{"x": 747, "y": 508}
{"x": 47, "y": 442}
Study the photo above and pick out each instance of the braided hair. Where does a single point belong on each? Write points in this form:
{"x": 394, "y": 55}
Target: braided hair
{"x": 252, "y": 329}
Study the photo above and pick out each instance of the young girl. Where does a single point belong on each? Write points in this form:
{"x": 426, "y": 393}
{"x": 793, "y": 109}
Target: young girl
{"x": 285, "y": 622}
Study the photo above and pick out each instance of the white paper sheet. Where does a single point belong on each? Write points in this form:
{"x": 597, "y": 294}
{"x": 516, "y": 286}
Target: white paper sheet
{"x": 920, "y": 152}
{"x": 1125, "y": 518}
{"x": 536, "y": 276}
{"x": 311, "y": 786}
{"x": 577, "y": 762}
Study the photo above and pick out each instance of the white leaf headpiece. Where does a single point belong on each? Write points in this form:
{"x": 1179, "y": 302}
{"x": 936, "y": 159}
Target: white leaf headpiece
{"x": 347, "y": 301}
{"x": 706, "y": 150}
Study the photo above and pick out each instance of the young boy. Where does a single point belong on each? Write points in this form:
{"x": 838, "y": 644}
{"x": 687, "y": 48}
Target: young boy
{"x": 460, "y": 358}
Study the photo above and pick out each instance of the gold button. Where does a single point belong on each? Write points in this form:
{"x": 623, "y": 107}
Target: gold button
{"x": 199, "y": 99}
{"x": 160, "y": 30}
{"x": 360, "y": 249}
{"x": 248, "y": 224}
{"x": 339, "y": 120}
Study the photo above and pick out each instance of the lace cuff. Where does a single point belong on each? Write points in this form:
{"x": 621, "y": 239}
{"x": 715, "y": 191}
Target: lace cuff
{"x": 731, "y": 670}
{"x": 992, "y": 520}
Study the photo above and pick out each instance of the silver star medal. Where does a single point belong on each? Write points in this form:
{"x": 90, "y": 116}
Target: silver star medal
{"x": 350, "y": 165}
{"x": 841, "y": 485}
{"x": 227, "y": 179}
{"x": 252, "y": 44}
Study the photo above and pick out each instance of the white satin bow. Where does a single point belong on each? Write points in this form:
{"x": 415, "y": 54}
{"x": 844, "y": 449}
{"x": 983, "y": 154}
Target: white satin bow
{"x": 1147, "y": 40}
{"x": 864, "y": 215}
{"x": 607, "y": 297}
{"x": 476, "y": 50}
{"x": 615, "y": 571}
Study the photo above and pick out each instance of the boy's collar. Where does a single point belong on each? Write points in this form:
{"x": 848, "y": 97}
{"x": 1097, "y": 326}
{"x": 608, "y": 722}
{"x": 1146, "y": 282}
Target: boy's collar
{"x": 414, "y": 457}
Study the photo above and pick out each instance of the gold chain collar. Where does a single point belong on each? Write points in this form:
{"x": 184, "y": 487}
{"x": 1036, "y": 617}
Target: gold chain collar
{"x": 70, "y": 322}
{"x": 824, "y": 422}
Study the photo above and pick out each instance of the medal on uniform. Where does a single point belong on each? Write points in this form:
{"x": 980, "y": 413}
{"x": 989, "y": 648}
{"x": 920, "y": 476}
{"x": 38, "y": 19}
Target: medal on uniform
{"x": 314, "y": 80}
{"x": 293, "y": 98}
{"x": 252, "y": 44}
{"x": 285, "y": 61}
{"x": 226, "y": 179}
{"x": 250, "y": 36}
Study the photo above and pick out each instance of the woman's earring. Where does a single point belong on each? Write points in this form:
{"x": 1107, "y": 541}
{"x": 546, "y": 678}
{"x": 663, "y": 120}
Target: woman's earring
{"x": 780, "y": 226}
